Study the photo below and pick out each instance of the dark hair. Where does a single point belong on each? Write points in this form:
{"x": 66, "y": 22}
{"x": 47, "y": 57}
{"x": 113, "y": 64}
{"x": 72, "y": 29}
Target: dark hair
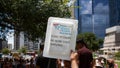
{"x": 81, "y": 41}
{"x": 42, "y": 45}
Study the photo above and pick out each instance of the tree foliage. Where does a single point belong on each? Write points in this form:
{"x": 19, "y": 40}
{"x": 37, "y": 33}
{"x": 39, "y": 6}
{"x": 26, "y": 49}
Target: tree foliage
{"x": 22, "y": 50}
{"x": 117, "y": 54}
{"x": 5, "y": 51}
{"x": 91, "y": 40}
{"x": 31, "y": 16}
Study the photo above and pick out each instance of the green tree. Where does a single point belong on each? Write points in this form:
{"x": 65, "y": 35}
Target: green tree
{"x": 91, "y": 40}
{"x": 31, "y": 16}
{"x": 117, "y": 54}
{"x": 22, "y": 50}
{"x": 5, "y": 51}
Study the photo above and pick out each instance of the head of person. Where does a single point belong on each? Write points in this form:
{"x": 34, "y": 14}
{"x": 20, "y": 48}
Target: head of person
{"x": 41, "y": 46}
{"x": 111, "y": 61}
{"x": 80, "y": 43}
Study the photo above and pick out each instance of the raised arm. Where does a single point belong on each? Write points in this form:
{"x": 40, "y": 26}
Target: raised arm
{"x": 74, "y": 60}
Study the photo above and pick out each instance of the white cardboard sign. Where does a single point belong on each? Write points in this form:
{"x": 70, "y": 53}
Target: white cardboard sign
{"x": 60, "y": 38}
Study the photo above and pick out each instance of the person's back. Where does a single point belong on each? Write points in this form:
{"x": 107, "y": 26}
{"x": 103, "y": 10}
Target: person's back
{"x": 44, "y": 62}
{"x": 85, "y": 58}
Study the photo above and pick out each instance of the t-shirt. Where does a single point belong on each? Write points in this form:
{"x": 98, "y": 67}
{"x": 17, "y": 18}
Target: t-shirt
{"x": 85, "y": 58}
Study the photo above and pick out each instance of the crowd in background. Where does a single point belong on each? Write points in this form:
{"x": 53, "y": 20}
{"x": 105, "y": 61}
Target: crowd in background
{"x": 98, "y": 62}
{"x": 17, "y": 63}
{"x": 82, "y": 58}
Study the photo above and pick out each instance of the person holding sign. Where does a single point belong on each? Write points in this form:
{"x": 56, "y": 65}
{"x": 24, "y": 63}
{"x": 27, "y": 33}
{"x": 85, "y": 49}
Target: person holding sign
{"x": 44, "y": 62}
{"x": 83, "y": 57}
{"x": 84, "y": 54}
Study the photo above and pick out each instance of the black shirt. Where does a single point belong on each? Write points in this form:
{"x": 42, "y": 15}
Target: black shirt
{"x": 44, "y": 62}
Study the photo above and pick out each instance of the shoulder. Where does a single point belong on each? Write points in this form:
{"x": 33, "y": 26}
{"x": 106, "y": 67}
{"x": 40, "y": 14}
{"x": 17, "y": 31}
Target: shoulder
{"x": 84, "y": 50}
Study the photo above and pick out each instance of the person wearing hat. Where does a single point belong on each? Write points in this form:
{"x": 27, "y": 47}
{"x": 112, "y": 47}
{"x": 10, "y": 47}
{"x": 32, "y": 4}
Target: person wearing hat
{"x": 85, "y": 57}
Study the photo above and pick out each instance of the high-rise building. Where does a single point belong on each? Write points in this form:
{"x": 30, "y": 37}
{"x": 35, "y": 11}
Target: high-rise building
{"x": 3, "y": 44}
{"x": 114, "y": 13}
{"x": 18, "y": 40}
{"x": 10, "y": 46}
{"x": 21, "y": 40}
{"x": 93, "y": 16}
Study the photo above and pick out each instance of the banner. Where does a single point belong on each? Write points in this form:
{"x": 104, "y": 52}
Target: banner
{"x": 60, "y": 38}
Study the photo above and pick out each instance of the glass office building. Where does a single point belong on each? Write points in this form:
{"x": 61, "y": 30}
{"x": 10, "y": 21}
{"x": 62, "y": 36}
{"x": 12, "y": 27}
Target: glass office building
{"x": 93, "y": 16}
{"x": 114, "y": 7}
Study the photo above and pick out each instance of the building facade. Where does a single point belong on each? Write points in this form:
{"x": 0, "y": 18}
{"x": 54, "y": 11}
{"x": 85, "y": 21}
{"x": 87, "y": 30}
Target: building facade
{"x": 18, "y": 40}
{"x": 93, "y": 16}
{"x": 3, "y": 44}
{"x": 112, "y": 40}
{"x": 10, "y": 46}
{"x": 114, "y": 13}
{"x": 21, "y": 40}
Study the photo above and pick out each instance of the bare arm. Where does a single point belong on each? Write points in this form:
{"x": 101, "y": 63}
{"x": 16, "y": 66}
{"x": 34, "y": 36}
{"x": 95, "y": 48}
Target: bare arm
{"x": 74, "y": 60}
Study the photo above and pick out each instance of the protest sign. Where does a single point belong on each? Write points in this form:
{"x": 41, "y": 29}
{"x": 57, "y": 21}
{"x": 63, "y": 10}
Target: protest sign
{"x": 60, "y": 38}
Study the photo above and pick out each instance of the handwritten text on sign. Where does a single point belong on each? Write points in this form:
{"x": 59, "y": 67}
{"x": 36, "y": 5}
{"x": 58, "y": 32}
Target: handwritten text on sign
{"x": 60, "y": 39}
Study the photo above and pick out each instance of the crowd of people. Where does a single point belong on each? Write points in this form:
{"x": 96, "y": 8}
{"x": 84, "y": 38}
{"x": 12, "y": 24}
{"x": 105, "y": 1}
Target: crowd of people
{"x": 17, "y": 63}
{"x": 101, "y": 62}
{"x": 82, "y": 58}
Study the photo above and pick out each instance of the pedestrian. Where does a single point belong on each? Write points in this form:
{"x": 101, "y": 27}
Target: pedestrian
{"x": 98, "y": 63}
{"x": 59, "y": 63}
{"x": 84, "y": 54}
{"x": 0, "y": 62}
{"x": 31, "y": 63}
{"x": 43, "y": 62}
{"x": 112, "y": 64}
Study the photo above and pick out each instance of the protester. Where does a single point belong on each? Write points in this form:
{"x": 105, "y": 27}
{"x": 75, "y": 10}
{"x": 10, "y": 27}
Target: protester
{"x": 98, "y": 63}
{"x": 31, "y": 63}
{"x": 111, "y": 64}
{"x": 82, "y": 58}
{"x": 84, "y": 54}
{"x": 1, "y": 63}
{"x": 59, "y": 64}
{"x": 43, "y": 62}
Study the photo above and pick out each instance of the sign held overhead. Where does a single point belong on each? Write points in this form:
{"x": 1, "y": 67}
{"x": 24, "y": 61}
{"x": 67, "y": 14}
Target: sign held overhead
{"x": 60, "y": 38}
